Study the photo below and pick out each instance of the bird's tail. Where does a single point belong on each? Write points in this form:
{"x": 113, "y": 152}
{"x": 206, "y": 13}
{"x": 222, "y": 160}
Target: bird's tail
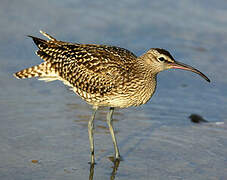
{"x": 35, "y": 71}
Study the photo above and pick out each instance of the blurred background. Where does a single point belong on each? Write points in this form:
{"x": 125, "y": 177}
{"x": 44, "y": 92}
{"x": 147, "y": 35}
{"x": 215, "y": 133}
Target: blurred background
{"x": 43, "y": 126}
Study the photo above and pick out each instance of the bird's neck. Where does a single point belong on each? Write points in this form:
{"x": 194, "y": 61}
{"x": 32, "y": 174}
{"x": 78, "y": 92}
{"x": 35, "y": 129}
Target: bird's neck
{"x": 146, "y": 83}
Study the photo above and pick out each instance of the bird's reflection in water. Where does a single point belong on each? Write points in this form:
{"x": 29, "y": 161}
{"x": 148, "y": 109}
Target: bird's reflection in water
{"x": 91, "y": 171}
{"x": 115, "y": 166}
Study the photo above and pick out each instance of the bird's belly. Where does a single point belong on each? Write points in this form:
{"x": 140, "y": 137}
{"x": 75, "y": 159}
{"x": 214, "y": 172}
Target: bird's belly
{"x": 120, "y": 102}
{"x": 120, "y": 98}
{"x": 127, "y": 100}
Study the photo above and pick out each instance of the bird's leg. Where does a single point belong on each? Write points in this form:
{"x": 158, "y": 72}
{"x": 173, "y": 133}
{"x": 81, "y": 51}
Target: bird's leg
{"x": 109, "y": 122}
{"x": 90, "y": 133}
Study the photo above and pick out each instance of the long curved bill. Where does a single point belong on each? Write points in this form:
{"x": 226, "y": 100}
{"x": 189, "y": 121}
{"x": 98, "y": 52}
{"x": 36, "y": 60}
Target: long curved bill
{"x": 179, "y": 65}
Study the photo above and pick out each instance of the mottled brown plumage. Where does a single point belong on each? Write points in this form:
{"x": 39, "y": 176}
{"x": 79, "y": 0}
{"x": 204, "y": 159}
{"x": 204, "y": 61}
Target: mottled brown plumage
{"x": 102, "y": 75}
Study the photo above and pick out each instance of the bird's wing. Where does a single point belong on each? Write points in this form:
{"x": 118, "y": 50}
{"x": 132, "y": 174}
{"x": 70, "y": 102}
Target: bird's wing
{"x": 90, "y": 68}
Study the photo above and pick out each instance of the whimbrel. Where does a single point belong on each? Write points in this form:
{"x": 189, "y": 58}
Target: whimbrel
{"x": 102, "y": 75}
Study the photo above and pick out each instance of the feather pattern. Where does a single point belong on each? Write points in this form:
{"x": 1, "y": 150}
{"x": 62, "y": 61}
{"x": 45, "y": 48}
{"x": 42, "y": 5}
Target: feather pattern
{"x": 100, "y": 74}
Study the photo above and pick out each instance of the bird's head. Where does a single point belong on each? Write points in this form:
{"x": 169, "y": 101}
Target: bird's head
{"x": 161, "y": 60}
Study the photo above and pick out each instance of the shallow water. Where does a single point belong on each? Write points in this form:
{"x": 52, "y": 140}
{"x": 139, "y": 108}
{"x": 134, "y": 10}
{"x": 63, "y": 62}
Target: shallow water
{"x": 47, "y": 122}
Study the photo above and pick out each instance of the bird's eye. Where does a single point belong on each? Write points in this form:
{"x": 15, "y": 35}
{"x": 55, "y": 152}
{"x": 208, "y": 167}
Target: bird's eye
{"x": 161, "y": 59}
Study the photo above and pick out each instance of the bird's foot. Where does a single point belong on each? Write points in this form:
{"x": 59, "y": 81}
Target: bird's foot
{"x": 114, "y": 159}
